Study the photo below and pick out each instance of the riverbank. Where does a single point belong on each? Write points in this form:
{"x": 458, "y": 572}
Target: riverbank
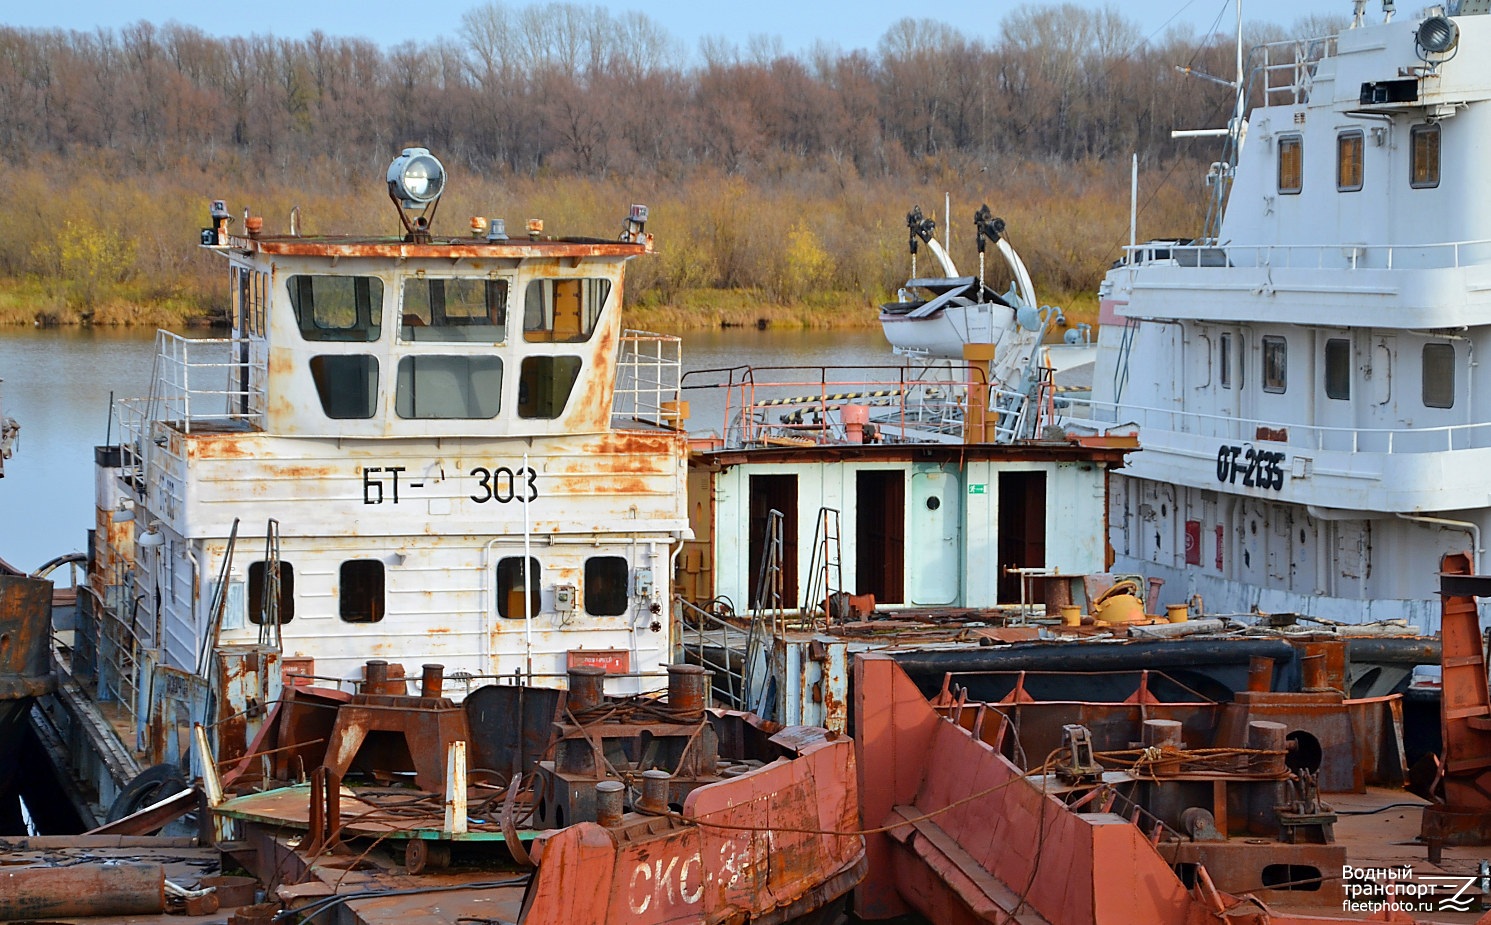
{"x": 31, "y": 304}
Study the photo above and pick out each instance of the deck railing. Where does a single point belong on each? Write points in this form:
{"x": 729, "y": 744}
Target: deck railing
{"x": 195, "y": 383}
{"x": 1446, "y": 255}
{"x": 712, "y": 642}
{"x": 648, "y": 369}
{"x": 805, "y": 406}
{"x": 1152, "y": 421}
{"x": 1283, "y": 72}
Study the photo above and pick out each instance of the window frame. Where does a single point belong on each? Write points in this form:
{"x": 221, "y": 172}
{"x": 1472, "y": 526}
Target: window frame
{"x": 253, "y": 587}
{"x": 593, "y": 581}
{"x": 506, "y": 584}
{"x": 472, "y": 366}
{"x": 366, "y": 326}
{"x": 1333, "y": 383}
{"x": 1350, "y": 138}
{"x": 432, "y": 321}
{"x": 1294, "y": 142}
{"x": 541, "y": 297}
{"x": 325, "y": 377}
{"x": 1435, "y": 366}
{"x": 549, "y": 374}
{"x": 1424, "y": 130}
{"x": 370, "y": 589}
{"x": 1224, "y": 364}
{"x": 1275, "y": 363}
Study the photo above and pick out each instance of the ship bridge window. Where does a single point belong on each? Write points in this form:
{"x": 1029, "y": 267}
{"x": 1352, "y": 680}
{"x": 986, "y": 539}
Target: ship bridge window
{"x": 347, "y": 384}
{"x": 454, "y": 310}
{"x": 361, "y": 598}
{"x": 1291, "y": 163}
{"x": 1338, "y": 368}
{"x": 1424, "y": 156}
{"x": 544, "y": 386}
{"x": 1349, "y": 149}
{"x": 510, "y": 603}
{"x": 563, "y": 311}
{"x": 449, "y": 387}
{"x": 338, "y": 308}
{"x": 1439, "y": 375}
{"x": 605, "y": 586}
{"x": 259, "y": 594}
{"x": 1275, "y": 364}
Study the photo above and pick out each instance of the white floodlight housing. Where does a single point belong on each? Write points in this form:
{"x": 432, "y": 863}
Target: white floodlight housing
{"x": 416, "y": 178}
{"x": 1437, "y": 35}
{"x": 152, "y": 538}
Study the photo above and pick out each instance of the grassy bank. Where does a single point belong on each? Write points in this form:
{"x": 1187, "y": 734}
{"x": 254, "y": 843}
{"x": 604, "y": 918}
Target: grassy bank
{"x": 811, "y": 248}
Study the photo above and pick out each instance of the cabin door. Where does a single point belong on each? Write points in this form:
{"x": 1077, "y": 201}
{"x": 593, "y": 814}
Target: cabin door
{"x": 240, "y": 333}
{"x": 1337, "y": 388}
{"x": 880, "y": 534}
{"x": 773, "y": 553}
{"x": 1022, "y": 528}
{"x": 936, "y": 515}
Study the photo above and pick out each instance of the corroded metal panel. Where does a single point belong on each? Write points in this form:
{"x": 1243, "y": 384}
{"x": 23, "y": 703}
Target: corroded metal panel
{"x": 25, "y": 637}
{"x": 742, "y": 867}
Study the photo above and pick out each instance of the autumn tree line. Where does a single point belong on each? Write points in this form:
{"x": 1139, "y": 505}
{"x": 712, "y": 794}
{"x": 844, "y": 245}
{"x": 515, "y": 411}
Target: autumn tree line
{"x": 781, "y": 178}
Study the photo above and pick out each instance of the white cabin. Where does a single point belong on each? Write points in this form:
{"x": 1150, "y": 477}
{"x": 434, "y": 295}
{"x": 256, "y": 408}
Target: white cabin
{"x": 405, "y": 434}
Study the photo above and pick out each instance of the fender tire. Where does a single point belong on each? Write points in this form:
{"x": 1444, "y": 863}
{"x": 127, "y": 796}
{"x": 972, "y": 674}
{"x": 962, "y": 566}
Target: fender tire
{"x": 151, "y": 785}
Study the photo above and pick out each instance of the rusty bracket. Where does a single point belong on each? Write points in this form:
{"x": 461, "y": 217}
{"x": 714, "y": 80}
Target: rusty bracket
{"x": 509, "y": 826}
{"x": 325, "y": 821}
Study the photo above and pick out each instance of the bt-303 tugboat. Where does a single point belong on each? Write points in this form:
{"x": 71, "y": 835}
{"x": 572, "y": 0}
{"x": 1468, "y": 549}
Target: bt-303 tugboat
{"x": 418, "y": 449}
{"x": 442, "y": 459}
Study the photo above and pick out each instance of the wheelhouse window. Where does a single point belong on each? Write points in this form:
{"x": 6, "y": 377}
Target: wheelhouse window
{"x": 1349, "y": 148}
{"x": 338, "y": 308}
{"x": 454, "y": 310}
{"x": 510, "y": 602}
{"x": 1275, "y": 364}
{"x": 347, "y": 384}
{"x": 449, "y": 387}
{"x": 252, "y": 289}
{"x": 361, "y": 597}
{"x": 563, "y": 311}
{"x": 1439, "y": 375}
{"x": 262, "y": 582}
{"x": 1338, "y": 368}
{"x": 1424, "y": 156}
{"x": 1291, "y": 163}
{"x": 605, "y": 586}
{"x": 545, "y": 384}
{"x": 1224, "y": 359}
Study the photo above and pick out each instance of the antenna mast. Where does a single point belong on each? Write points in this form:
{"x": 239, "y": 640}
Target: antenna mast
{"x": 1221, "y": 172}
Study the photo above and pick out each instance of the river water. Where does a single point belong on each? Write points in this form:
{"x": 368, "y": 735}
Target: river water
{"x": 57, "y": 384}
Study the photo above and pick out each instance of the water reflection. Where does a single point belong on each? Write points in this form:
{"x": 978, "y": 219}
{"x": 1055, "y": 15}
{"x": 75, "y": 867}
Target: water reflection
{"x": 57, "y": 384}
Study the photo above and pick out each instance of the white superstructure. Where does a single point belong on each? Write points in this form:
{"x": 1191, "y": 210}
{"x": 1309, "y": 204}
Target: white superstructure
{"x": 1315, "y": 431}
{"x": 420, "y": 450}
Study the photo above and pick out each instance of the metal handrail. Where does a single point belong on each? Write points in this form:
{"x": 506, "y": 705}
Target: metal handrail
{"x": 1389, "y": 441}
{"x": 709, "y": 630}
{"x": 1295, "y": 61}
{"x": 1343, "y": 255}
{"x": 915, "y": 405}
{"x": 648, "y": 369}
{"x": 183, "y": 390}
